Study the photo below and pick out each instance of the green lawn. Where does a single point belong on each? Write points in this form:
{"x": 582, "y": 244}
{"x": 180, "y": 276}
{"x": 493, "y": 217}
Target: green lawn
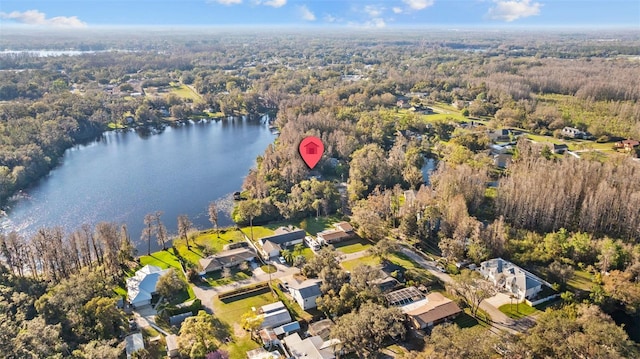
{"x": 353, "y": 246}
{"x": 184, "y": 91}
{"x": 269, "y": 268}
{"x": 215, "y": 279}
{"x": 517, "y": 311}
{"x": 232, "y": 311}
{"x": 311, "y": 225}
{"x": 370, "y": 260}
{"x": 166, "y": 259}
{"x": 259, "y": 231}
{"x": 204, "y": 239}
{"x": 582, "y": 280}
{"x": 315, "y": 225}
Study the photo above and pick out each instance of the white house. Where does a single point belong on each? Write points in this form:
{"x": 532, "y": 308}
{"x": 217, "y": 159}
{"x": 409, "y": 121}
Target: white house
{"x": 508, "y": 276}
{"x": 306, "y": 293}
{"x": 274, "y": 315}
{"x": 133, "y": 343}
{"x": 310, "y": 348}
{"x": 283, "y": 237}
{"x": 142, "y": 286}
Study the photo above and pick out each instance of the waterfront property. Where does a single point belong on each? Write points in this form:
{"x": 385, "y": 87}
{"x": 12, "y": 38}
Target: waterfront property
{"x": 226, "y": 259}
{"x": 142, "y": 286}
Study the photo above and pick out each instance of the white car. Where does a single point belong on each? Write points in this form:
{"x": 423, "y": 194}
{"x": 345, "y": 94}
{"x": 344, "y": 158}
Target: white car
{"x": 282, "y": 261}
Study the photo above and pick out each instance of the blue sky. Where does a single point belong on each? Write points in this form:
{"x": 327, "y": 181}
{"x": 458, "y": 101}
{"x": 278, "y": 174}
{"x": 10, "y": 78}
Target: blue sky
{"x": 322, "y": 13}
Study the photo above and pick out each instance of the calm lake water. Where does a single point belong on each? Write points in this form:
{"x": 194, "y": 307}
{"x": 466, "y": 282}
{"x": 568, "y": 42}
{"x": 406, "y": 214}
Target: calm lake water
{"x": 124, "y": 175}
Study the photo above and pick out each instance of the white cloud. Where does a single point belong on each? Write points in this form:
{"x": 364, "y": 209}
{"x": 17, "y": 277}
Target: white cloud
{"x": 330, "y": 18}
{"x": 514, "y": 9}
{"x": 373, "y": 11}
{"x": 396, "y": 10}
{"x": 306, "y": 14}
{"x": 376, "y": 22}
{"x": 274, "y": 3}
{"x": 228, "y": 2}
{"x": 419, "y": 4}
{"x": 35, "y": 17}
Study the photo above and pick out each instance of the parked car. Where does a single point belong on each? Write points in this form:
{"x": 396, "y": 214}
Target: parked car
{"x": 282, "y": 260}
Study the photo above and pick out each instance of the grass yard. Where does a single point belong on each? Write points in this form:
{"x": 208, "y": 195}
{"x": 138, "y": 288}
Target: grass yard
{"x": 370, "y": 260}
{"x": 517, "y": 311}
{"x": 232, "y": 311}
{"x": 215, "y": 279}
{"x": 204, "y": 239}
{"x": 311, "y": 225}
{"x": 269, "y": 268}
{"x": 259, "y": 231}
{"x": 184, "y": 91}
{"x": 315, "y": 225}
{"x": 353, "y": 246}
{"x": 582, "y": 280}
{"x": 166, "y": 259}
{"x": 444, "y": 117}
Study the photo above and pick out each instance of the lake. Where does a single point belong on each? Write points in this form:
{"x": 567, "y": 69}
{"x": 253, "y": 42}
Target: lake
{"x": 125, "y": 175}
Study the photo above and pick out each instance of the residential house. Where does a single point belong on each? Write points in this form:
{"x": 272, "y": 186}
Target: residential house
{"x": 502, "y": 161}
{"x": 437, "y": 309}
{"x": 423, "y": 310}
{"x": 283, "y": 237}
{"x": 342, "y": 231}
{"x": 269, "y": 338}
{"x": 321, "y": 328}
{"x": 226, "y": 259}
{"x": 142, "y": 286}
{"x": 310, "y": 348}
{"x": 403, "y": 103}
{"x": 511, "y": 278}
{"x": 498, "y": 150}
{"x": 274, "y": 315}
{"x": 628, "y": 145}
{"x": 575, "y": 133}
{"x": 306, "y": 293}
{"x": 501, "y": 135}
{"x": 559, "y": 148}
{"x": 173, "y": 349}
{"x": 176, "y": 320}
{"x": 287, "y": 329}
{"x": 261, "y": 353}
{"x": 133, "y": 343}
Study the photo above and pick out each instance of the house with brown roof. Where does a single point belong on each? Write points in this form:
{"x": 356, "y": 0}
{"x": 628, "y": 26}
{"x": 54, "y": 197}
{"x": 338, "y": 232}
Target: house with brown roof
{"x": 437, "y": 309}
{"x": 342, "y": 232}
{"x": 628, "y": 145}
{"x": 423, "y": 310}
{"x": 226, "y": 259}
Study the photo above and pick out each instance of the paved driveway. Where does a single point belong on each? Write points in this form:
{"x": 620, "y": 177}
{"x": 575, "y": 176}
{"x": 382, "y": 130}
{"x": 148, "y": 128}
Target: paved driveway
{"x": 499, "y": 300}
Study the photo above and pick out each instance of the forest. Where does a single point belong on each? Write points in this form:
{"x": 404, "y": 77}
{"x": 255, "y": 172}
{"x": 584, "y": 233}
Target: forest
{"x": 552, "y": 214}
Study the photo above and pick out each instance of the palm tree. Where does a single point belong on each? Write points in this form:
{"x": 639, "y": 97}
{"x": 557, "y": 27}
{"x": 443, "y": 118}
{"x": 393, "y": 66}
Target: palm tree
{"x": 298, "y": 248}
{"x": 288, "y": 255}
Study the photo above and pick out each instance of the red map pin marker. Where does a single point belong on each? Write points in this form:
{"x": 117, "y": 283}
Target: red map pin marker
{"x": 311, "y": 149}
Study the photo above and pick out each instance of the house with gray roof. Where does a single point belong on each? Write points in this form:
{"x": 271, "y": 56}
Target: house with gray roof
{"x": 282, "y": 238}
{"x": 225, "y": 259}
{"x": 511, "y": 278}
{"x": 133, "y": 343}
{"x": 274, "y": 315}
{"x": 306, "y": 293}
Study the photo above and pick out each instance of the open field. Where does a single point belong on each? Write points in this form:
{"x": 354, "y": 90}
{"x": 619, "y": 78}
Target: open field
{"x": 185, "y": 92}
